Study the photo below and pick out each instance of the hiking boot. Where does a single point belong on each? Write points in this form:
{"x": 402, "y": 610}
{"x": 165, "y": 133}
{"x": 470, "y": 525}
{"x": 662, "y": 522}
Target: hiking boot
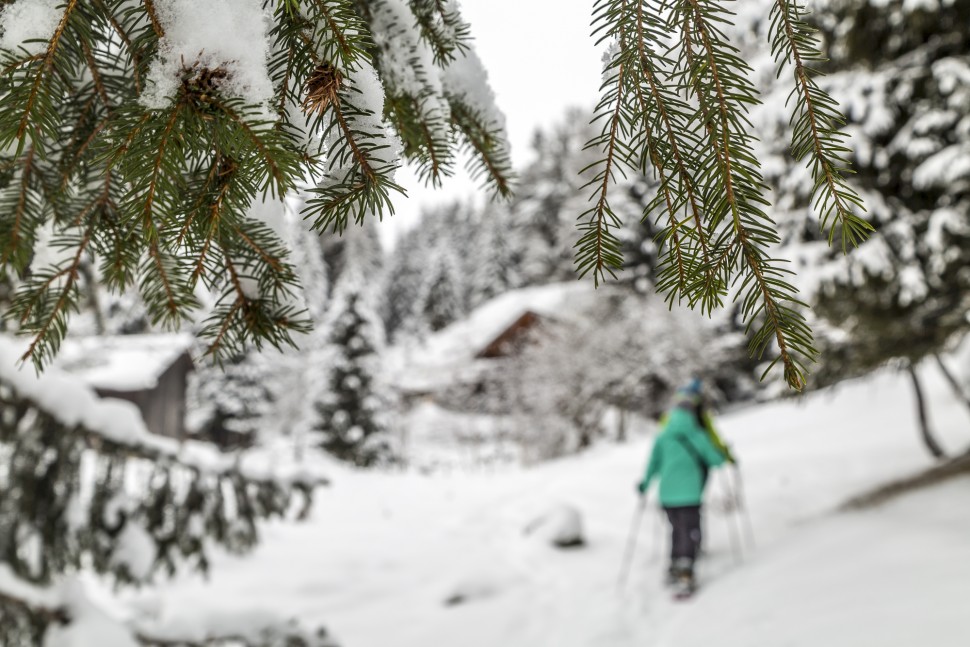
{"x": 683, "y": 576}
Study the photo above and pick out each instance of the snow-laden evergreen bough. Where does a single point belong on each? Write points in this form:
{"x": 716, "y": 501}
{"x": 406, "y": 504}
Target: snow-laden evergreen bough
{"x": 140, "y": 133}
{"x": 86, "y": 488}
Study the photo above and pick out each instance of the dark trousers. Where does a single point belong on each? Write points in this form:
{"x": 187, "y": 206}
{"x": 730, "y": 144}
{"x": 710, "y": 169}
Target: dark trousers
{"x": 685, "y": 525}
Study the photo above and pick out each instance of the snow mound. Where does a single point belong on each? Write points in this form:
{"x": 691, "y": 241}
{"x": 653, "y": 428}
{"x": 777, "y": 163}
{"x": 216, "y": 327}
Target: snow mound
{"x": 560, "y": 527}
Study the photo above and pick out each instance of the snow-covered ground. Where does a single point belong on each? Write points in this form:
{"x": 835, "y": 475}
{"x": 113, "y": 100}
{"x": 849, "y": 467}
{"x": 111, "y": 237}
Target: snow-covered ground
{"x": 384, "y": 552}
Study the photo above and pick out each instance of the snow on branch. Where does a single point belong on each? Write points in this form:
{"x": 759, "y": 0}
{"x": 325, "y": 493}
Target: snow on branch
{"x": 247, "y": 629}
{"x": 85, "y": 485}
{"x": 117, "y": 425}
{"x": 64, "y": 615}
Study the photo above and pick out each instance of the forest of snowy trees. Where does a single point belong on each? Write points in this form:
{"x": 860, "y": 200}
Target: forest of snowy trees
{"x": 223, "y": 247}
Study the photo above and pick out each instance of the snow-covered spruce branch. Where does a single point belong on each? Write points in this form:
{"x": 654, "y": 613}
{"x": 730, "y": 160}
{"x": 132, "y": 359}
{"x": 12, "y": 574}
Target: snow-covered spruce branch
{"x": 117, "y": 425}
{"x": 198, "y": 111}
{"x": 35, "y": 602}
{"x": 443, "y": 28}
{"x": 33, "y": 616}
{"x": 414, "y": 99}
{"x": 74, "y": 498}
{"x": 483, "y": 139}
{"x": 270, "y": 637}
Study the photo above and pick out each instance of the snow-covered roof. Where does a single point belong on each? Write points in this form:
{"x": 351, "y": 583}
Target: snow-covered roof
{"x": 122, "y": 362}
{"x": 444, "y": 356}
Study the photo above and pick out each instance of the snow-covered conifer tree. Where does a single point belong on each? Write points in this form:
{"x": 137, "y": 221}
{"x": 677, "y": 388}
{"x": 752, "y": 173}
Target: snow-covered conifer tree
{"x": 232, "y": 402}
{"x": 357, "y": 246}
{"x": 352, "y": 406}
{"x": 441, "y": 297}
{"x": 901, "y": 72}
{"x": 551, "y": 193}
{"x": 402, "y": 281}
{"x": 491, "y": 266}
{"x": 427, "y": 283}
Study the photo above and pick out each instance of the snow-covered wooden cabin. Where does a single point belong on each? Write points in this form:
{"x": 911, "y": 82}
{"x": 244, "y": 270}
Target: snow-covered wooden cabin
{"x": 510, "y": 340}
{"x": 150, "y": 371}
{"x": 465, "y": 351}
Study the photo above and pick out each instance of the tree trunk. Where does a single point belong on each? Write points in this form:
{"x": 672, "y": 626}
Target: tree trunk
{"x": 94, "y": 303}
{"x": 954, "y": 384}
{"x": 924, "y": 427}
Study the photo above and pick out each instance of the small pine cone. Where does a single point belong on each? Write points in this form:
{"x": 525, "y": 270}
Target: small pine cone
{"x": 322, "y": 87}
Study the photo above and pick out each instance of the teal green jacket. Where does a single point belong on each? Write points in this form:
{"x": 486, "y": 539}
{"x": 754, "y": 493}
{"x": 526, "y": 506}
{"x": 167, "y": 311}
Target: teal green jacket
{"x": 680, "y": 458}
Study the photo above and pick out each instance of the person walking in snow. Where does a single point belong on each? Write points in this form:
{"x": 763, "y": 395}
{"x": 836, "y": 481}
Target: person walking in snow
{"x": 686, "y": 448}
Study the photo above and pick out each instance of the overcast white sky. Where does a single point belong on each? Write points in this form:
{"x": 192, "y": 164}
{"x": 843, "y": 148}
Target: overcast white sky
{"x": 540, "y": 60}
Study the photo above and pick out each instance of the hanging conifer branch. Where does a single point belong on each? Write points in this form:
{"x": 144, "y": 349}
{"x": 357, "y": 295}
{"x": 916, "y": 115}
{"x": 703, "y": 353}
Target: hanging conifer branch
{"x": 763, "y": 289}
{"x": 15, "y": 251}
{"x": 483, "y": 140}
{"x": 682, "y": 108}
{"x": 414, "y": 101}
{"x": 815, "y": 121}
{"x": 57, "y": 295}
{"x": 599, "y": 248}
{"x": 443, "y": 28}
{"x": 667, "y": 118}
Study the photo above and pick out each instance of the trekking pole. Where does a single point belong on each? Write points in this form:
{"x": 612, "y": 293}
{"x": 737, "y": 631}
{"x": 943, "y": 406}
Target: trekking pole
{"x": 743, "y": 508}
{"x": 657, "y": 538}
{"x": 631, "y": 543}
{"x": 733, "y": 533}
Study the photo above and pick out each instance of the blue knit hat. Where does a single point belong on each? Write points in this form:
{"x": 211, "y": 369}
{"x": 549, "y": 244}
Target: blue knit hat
{"x": 689, "y": 394}
{"x": 693, "y": 387}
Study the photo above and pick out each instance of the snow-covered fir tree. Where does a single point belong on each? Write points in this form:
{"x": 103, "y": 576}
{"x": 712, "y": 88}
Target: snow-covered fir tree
{"x": 900, "y": 71}
{"x": 232, "y": 402}
{"x": 549, "y": 198}
{"x": 908, "y": 287}
{"x": 357, "y": 246}
{"x": 441, "y": 299}
{"x": 491, "y": 265}
{"x": 352, "y": 406}
{"x": 403, "y": 281}
{"x": 429, "y": 273}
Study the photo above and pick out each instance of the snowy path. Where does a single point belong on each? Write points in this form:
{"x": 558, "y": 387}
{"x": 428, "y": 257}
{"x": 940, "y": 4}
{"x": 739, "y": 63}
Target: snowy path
{"x": 384, "y": 552}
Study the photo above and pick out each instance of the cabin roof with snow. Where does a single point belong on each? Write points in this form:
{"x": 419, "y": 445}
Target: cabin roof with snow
{"x": 148, "y": 370}
{"x": 508, "y": 341}
{"x": 123, "y": 362}
{"x": 445, "y": 356}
